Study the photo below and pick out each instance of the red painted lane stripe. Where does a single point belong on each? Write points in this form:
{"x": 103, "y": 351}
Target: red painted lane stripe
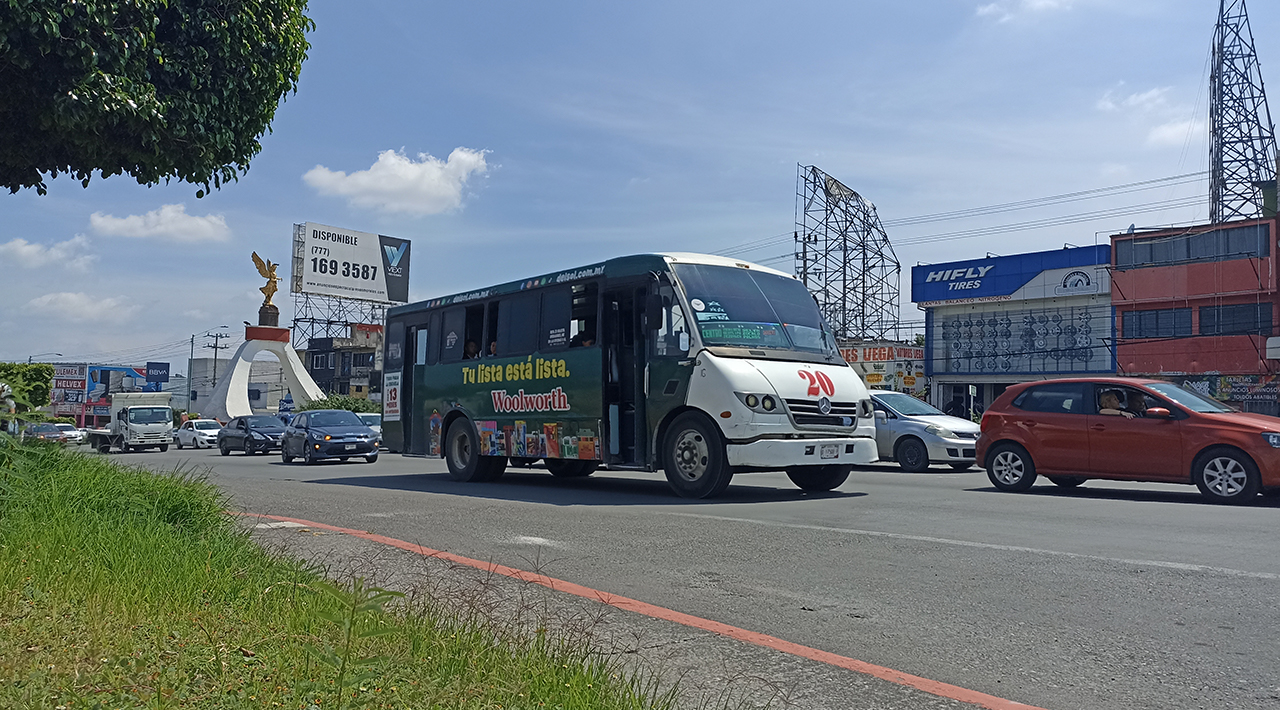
{"x": 932, "y": 687}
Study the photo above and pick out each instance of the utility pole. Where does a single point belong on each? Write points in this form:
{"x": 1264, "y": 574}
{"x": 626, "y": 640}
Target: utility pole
{"x": 215, "y": 348}
{"x": 190, "y": 381}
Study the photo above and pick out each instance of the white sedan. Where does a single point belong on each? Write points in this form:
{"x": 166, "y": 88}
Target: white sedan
{"x": 197, "y": 433}
{"x": 74, "y": 435}
{"x": 915, "y": 434}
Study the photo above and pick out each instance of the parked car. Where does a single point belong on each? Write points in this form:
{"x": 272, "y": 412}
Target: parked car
{"x": 74, "y": 435}
{"x": 251, "y": 434}
{"x": 197, "y": 433}
{"x": 374, "y": 422}
{"x": 915, "y": 434}
{"x": 328, "y": 434}
{"x": 44, "y": 432}
{"x": 1128, "y": 429}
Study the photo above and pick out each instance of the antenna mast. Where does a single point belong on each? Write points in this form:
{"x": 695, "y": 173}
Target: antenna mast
{"x": 1242, "y": 143}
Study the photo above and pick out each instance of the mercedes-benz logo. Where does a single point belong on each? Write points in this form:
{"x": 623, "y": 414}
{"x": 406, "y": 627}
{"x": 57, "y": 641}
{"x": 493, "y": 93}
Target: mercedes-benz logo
{"x": 824, "y": 405}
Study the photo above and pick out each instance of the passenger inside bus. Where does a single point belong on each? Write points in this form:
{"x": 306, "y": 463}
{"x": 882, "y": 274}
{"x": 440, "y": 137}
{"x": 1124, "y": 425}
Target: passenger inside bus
{"x": 585, "y": 339}
{"x": 470, "y": 351}
{"x": 493, "y": 348}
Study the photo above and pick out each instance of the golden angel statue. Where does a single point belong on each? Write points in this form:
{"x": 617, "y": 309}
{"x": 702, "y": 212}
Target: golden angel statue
{"x": 268, "y": 272}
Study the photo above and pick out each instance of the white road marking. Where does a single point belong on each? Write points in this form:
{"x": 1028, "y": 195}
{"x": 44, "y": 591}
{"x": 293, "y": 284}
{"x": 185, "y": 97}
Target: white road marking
{"x": 542, "y": 541}
{"x": 1183, "y": 566}
{"x": 279, "y": 524}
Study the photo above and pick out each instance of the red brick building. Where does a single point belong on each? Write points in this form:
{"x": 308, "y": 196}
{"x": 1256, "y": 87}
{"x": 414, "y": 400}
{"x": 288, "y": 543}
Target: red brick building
{"x": 1196, "y": 305}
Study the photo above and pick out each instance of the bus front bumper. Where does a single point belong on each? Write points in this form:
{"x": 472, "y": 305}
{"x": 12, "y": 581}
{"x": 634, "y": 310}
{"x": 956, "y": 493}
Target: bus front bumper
{"x": 781, "y": 453}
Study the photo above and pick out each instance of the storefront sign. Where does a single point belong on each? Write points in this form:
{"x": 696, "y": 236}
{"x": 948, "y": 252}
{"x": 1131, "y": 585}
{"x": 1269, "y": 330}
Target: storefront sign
{"x": 1001, "y": 277}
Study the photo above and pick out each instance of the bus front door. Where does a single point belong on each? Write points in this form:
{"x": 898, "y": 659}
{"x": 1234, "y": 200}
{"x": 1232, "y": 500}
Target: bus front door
{"x": 624, "y": 362}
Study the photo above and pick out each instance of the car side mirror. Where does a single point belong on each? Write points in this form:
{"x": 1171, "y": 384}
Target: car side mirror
{"x": 881, "y": 416}
{"x": 1158, "y": 413}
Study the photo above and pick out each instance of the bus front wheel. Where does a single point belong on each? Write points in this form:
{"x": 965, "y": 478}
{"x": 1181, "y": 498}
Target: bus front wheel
{"x": 462, "y": 454}
{"x": 693, "y": 457}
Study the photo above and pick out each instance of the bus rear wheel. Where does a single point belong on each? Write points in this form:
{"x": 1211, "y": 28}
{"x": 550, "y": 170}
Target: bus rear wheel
{"x": 571, "y": 468}
{"x": 693, "y": 457}
{"x": 462, "y": 455}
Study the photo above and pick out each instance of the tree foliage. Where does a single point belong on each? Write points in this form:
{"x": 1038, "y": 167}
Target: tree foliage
{"x": 342, "y": 401}
{"x": 33, "y": 383}
{"x": 156, "y": 89}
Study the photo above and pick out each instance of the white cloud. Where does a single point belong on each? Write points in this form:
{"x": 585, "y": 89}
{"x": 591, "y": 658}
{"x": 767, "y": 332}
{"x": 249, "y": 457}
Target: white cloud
{"x": 1150, "y": 100}
{"x": 71, "y": 254}
{"x": 1005, "y": 10}
{"x": 169, "y": 222}
{"x": 1175, "y": 133}
{"x": 397, "y": 183}
{"x": 81, "y": 307}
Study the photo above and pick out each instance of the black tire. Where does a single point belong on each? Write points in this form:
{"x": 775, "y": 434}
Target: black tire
{"x": 912, "y": 455}
{"x": 571, "y": 468}
{"x": 1010, "y": 468}
{"x": 164, "y": 448}
{"x": 462, "y": 453}
{"x": 371, "y": 458}
{"x": 694, "y": 459}
{"x": 309, "y": 456}
{"x": 819, "y": 478}
{"x": 104, "y": 448}
{"x": 284, "y": 455}
{"x": 1067, "y": 481}
{"x": 343, "y": 459}
{"x": 248, "y": 447}
{"x": 223, "y": 448}
{"x": 962, "y": 466}
{"x": 1226, "y": 476}
{"x": 179, "y": 443}
{"x": 125, "y": 448}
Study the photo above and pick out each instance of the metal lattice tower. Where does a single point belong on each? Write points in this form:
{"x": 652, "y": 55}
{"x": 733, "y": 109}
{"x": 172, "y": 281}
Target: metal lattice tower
{"x": 316, "y": 316}
{"x": 844, "y": 258}
{"x": 1242, "y": 142}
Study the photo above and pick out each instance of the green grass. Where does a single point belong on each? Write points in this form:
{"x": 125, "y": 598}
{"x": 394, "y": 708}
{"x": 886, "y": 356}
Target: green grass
{"x": 125, "y": 589}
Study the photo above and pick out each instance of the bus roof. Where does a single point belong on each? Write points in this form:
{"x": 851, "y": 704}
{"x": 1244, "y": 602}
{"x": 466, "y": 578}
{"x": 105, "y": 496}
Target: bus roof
{"x": 612, "y": 268}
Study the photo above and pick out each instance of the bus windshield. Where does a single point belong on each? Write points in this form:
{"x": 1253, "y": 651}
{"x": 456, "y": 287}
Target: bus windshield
{"x": 741, "y": 308}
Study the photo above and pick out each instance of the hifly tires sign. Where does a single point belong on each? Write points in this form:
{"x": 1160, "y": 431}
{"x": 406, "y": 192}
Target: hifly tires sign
{"x": 332, "y": 261}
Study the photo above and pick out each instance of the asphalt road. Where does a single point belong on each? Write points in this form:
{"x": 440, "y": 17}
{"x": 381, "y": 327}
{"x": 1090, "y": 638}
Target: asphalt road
{"x": 1117, "y": 596}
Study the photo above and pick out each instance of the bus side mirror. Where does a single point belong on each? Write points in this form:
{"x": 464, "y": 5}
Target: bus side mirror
{"x": 653, "y": 312}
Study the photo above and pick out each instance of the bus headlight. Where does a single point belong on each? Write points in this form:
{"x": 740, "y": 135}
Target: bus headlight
{"x": 758, "y": 402}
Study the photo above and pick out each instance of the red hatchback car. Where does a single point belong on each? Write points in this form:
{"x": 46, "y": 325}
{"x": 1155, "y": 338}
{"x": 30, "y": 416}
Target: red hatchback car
{"x": 1127, "y": 429}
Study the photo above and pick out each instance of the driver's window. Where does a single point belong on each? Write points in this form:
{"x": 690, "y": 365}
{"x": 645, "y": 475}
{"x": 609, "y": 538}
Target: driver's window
{"x": 243, "y": 424}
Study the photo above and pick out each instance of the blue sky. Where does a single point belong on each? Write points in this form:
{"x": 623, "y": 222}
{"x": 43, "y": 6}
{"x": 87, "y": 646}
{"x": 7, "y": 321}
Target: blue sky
{"x": 561, "y": 133}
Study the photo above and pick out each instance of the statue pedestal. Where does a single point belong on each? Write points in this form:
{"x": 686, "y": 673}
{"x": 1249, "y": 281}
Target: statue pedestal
{"x": 269, "y": 316}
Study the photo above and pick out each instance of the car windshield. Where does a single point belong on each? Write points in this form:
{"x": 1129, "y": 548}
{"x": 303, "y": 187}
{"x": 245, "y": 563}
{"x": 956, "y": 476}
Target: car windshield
{"x": 149, "y": 415}
{"x": 210, "y": 424}
{"x": 741, "y": 308}
{"x": 1191, "y": 400}
{"x": 65, "y": 427}
{"x": 335, "y": 419}
{"x": 262, "y": 422}
{"x": 906, "y": 405}
{"x": 371, "y": 419}
{"x": 45, "y": 429}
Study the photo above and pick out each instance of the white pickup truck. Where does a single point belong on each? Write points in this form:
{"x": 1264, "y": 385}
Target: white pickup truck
{"x": 139, "y": 421}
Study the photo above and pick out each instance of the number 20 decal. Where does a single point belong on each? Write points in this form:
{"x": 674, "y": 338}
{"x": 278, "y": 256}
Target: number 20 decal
{"x": 818, "y": 383}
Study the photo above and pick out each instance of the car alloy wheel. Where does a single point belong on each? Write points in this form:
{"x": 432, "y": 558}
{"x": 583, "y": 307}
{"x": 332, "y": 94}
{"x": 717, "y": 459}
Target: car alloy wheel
{"x": 1225, "y": 476}
{"x": 1010, "y": 468}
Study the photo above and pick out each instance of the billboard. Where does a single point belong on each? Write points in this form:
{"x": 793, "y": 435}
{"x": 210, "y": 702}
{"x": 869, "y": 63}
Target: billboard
{"x": 332, "y": 261}
{"x": 67, "y": 395}
{"x": 105, "y": 380}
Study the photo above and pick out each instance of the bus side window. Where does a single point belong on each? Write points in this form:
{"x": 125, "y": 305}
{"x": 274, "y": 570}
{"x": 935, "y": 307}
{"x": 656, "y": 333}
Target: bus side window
{"x": 474, "y": 342}
{"x": 518, "y": 325}
{"x": 395, "y": 346}
{"x": 557, "y": 309}
{"x": 494, "y": 330}
{"x": 420, "y": 350}
{"x": 433, "y": 338}
{"x": 453, "y": 336}
{"x": 673, "y": 337}
{"x": 585, "y": 305}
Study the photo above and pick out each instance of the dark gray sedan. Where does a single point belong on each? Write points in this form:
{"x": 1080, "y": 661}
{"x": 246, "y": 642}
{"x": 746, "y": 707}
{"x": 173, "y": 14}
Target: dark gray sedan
{"x": 250, "y": 434}
{"x": 328, "y": 434}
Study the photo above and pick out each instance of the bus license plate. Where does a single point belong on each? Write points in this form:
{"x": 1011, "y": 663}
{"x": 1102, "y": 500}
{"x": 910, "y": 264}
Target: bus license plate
{"x": 830, "y": 451}
{"x": 352, "y": 447}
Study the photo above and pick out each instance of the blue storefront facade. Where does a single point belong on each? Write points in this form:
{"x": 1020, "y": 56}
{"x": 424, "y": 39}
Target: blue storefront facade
{"x": 993, "y": 322}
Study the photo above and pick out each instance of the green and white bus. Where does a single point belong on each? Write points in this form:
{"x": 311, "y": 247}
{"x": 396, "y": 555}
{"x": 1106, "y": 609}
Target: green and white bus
{"x": 699, "y": 366}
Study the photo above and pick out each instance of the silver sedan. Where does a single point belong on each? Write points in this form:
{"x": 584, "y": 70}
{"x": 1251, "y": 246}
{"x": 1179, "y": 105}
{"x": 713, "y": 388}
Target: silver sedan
{"x": 915, "y": 434}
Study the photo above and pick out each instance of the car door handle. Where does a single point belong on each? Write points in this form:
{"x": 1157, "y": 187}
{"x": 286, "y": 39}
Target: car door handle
{"x": 1098, "y": 427}
{"x": 1028, "y": 423}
